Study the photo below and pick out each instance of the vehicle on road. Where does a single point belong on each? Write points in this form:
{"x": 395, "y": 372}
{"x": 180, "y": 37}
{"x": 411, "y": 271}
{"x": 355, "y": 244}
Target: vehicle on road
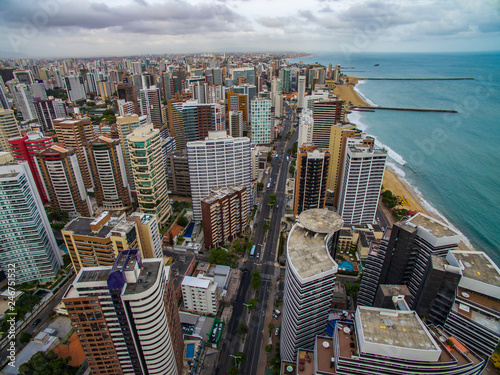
{"x": 252, "y": 251}
{"x": 258, "y": 255}
{"x": 36, "y": 322}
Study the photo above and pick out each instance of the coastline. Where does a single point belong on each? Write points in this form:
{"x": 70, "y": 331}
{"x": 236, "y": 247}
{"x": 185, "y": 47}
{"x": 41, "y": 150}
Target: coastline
{"x": 392, "y": 181}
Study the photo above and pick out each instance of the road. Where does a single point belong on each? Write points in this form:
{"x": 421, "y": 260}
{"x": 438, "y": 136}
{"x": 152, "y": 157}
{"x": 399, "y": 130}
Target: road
{"x": 42, "y": 315}
{"x": 265, "y": 264}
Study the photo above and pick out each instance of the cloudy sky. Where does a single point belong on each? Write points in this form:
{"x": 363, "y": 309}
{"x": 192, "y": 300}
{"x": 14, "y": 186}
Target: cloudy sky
{"x": 88, "y": 28}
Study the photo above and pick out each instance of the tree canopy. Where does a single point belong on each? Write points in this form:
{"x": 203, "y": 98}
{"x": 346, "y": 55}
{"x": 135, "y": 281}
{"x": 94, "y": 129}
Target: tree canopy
{"x": 47, "y": 364}
{"x": 218, "y": 256}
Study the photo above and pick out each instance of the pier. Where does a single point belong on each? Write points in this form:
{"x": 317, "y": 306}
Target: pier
{"x": 416, "y": 79}
{"x": 372, "y": 109}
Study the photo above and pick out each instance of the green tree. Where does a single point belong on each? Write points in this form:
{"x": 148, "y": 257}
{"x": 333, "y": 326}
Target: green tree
{"x": 182, "y": 221}
{"x": 242, "y": 329}
{"x": 218, "y": 256}
{"x": 233, "y": 371}
{"x": 239, "y": 359}
{"x": 66, "y": 260}
{"x": 260, "y": 186}
{"x": 270, "y": 327}
{"x": 272, "y": 200}
{"x": 256, "y": 277}
{"x": 252, "y": 304}
{"x": 47, "y": 364}
{"x": 269, "y": 157}
{"x": 24, "y": 337}
{"x": 291, "y": 170}
{"x": 268, "y": 348}
{"x": 171, "y": 238}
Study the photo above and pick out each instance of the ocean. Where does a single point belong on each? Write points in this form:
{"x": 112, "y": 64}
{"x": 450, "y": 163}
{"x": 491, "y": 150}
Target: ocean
{"x": 452, "y": 160}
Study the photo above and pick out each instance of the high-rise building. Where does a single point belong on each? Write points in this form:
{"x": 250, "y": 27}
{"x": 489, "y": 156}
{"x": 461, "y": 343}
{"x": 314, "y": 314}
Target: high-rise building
{"x": 178, "y": 173}
{"x": 309, "y": 279}
{"x": 239, "y": 102}
{"x": 261, "y": 131}
{"x": 75, "y": 88}
{"x": 338, "y": 142}
{"x": 361, "y": 182}
{"x": 126, "y": 317}
{"x": 301, "y": 89}
{"x": 148, "y": 234}
{"x": 8, "y": 129}
{"x": 75, "y": 134}
{"x": 397, "y": 342}
{"x": 198, "y": 120}
{"x": 305, "y": 127}
{"x": 25, "y": 149}
{"x": 223, "y": 215}
{"x": 28, "y": 243}
{"x": 129, "y": 94}
{"x": 104, "y": 89}
{"x": 23, "y": 100}
{"x": 311, "y": 178}
{"x": 404, "y": 257}
{"x": 108, "y": 170}
{"x": 248, "y": 73}
{"x": 218, "y": 161}
{"x": 4, "y": 103}
{"x": 49, "y": 110}
{"x": 23, "y": 76}
{"x": 326, "y": 113}
{"x": 63, "y": 182}
{"x": 176, "y": 122}
{"x": 235, "y": 124}
{"x": 149, "y": 173}
{"x": 126, "y": 125}
{"x": 151, "y": 106}
{"x": 38, "y": 90}
{"x": 474, "y": 316}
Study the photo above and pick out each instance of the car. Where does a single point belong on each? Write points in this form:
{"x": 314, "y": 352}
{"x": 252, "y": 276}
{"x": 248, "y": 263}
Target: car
{"x": 277, "y": 331}
{"x": 275, "y": 316}
{"x": 258, "y": 255}
{"x": 277, "y": 312}
{"x": 378, "y": 219}
{"x": 36, "y": 322}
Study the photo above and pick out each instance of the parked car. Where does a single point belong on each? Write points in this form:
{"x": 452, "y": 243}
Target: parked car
{"x": 36, "y": 322}
{"x": 277, "y": 331}
{"x": 275, "y": 316}
{"x": 277, "y": 312}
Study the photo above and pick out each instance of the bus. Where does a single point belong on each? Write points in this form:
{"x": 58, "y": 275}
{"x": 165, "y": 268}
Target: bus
{"x": 268, "y": 186}
{"x": 252, "y": 251}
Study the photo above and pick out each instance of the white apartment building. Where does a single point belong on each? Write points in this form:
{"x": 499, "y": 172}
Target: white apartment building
{"x": 301, "y": 88}
{"x": 305, "y": 127}
{"x": 27, "y": 238}
{"x": 200, "y": 294}
{"x": 360, "y": 184}
{"x": 75, "y": 88}
{"x": 309, "y": 280}
{"x": 260, "y": 110}
{"x": 218, "y": 161}
{"x": 126, "y": 125}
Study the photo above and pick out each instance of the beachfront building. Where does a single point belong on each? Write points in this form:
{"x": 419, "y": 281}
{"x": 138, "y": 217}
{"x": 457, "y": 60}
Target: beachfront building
{"x": 219, "y": 161}
{"x": 475, "y": 315}
{"x": 413, "y": 253}
{"x": 126, "y": 317}
{"x": 149, "y": 173}
{"x": 28, "y": 241}
{"x": 311, "y": 178}
{"x": 261, "y": 131}
{"x": 309, "y": 279}
{"x": 326, "y": 114}
{"x": 361, "y": 182}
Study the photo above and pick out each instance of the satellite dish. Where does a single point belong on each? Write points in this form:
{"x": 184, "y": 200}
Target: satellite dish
{"x": 326, "y": 344}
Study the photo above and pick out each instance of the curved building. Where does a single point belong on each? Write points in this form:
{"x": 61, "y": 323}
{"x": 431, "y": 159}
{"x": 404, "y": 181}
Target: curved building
{"x": 309, "y": 279}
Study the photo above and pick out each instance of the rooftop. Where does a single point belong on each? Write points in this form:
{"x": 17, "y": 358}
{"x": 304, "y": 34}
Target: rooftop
{"x": 195, "y": 282}
{"x": 436, "y": 228}
{"x": 395, "y": 328}
{"x": 147, "y": 277}
{"x": 478, "y": 266}
{"x": 89, "y": 275}
{"x": 324, "y": 354}
{"x": 307, "y": 252}
{"x": 320, "y": 220}
{"x": 81, "y": 226}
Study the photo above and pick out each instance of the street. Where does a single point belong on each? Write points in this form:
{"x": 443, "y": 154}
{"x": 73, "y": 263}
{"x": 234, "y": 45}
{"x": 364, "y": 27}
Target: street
{"x": 265, "y": 264}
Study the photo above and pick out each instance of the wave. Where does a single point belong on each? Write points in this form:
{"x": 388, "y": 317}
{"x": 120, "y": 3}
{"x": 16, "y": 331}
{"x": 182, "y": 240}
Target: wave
{"x": 425, "y": 203}
{"x": 362, "y": 96}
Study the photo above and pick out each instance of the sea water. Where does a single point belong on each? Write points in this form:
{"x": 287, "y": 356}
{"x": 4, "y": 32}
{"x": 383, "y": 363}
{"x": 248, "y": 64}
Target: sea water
{"x": 451, "y": 159}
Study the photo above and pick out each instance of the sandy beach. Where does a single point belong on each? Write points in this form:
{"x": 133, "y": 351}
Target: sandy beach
{"x": 391, "y": 180}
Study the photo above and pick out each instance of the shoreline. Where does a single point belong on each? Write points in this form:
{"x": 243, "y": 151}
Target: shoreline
{"x": 392, "y": 181}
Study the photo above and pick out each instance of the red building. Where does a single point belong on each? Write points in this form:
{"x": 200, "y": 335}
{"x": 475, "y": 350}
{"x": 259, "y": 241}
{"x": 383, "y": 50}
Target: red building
{"x": 24, "y": 149}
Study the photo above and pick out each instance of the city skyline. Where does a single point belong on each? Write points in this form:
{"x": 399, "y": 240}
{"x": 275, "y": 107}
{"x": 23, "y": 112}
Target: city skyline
{"x": 64, "y": 28}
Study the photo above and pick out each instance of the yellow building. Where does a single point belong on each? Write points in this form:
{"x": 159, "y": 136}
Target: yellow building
{"x": 8, "y": 128}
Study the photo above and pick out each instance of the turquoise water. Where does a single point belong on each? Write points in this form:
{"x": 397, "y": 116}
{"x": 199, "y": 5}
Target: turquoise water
{"x": 452, "y": 160}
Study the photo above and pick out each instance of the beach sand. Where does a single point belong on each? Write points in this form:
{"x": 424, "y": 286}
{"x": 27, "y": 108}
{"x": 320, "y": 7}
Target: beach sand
{"x": 391, "y": 180}
{"x": 347, "y": 93}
